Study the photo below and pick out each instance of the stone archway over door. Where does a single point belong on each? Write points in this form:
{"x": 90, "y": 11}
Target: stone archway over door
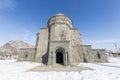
{"x": 59, "y": 57}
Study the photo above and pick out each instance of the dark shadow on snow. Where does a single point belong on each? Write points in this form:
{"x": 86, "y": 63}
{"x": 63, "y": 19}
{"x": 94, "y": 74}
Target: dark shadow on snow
{"x": 88, "y": 68}
{"x": 108, "y": 65}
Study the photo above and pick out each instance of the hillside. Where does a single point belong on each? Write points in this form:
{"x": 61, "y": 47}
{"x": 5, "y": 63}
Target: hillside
{"x": 12, "y": 47}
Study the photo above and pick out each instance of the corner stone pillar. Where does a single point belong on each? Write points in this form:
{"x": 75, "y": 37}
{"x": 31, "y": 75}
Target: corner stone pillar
{"x": 67, "y": 59}
{"x": 50, "y": 58}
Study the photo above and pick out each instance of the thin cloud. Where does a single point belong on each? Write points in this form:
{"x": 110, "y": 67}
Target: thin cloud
{"x": 29, "y": 36}
{"x": 7, "y": 4}
{"x": 26, "y": 36}
{"x": 108, "y": 44}
{"x": 105, "y": 41}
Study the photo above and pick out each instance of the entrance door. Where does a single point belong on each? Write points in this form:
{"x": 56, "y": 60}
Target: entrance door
{"x": 59, "y": 57}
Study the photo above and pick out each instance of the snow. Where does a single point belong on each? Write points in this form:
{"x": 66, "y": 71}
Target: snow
{"x": 12, "y": 70}
{"x": 114, "y": 60}
{"x": 101, "y": 71}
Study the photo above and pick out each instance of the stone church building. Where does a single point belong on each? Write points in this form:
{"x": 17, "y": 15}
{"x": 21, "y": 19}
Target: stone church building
{"x": 60, "y": 43}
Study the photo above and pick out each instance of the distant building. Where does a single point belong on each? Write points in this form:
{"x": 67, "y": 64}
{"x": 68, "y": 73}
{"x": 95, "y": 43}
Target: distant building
{"x": 114, "y": 53}
{"x": 60, "y": 43}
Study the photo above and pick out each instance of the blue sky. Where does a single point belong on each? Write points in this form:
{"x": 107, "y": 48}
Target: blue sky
{"x": 97, "y": 20}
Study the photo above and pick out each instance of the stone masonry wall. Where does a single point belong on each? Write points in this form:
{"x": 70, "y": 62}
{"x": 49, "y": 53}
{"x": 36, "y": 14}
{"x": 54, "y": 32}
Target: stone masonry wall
{"x": 87, "y": 54}
{"x": 27, "y": 54}
{"x": 75, "y": 49}
{"x": 99, "y": 55}
{"x": 42, "y": 45}
{"x": 54, "y": 45}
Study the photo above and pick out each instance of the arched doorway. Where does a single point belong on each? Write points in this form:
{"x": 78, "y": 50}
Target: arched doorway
{"x": 59, "y": 56}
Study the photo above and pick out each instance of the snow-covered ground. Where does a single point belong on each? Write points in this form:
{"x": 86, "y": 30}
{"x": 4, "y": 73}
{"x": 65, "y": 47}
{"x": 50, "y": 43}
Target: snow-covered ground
{"x": 12, "y": 70}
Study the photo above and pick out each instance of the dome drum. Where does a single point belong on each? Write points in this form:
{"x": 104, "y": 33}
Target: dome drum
{"x": 60, "y": 19}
